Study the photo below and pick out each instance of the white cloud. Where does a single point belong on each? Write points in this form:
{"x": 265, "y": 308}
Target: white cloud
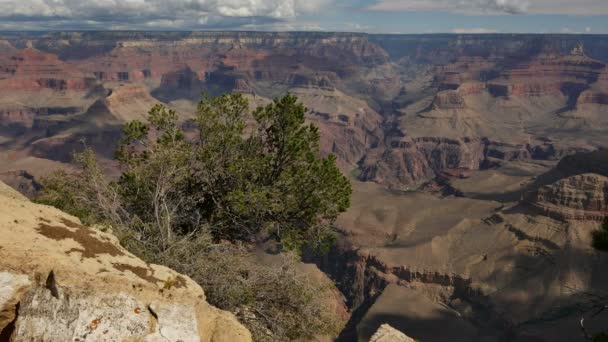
{"x": 473, "y": 30}
{"x": 284, "y": 26}
{"x": 145, "y": 12}
{"x": 458, "y": 6}
{"x": 567, "y": 7}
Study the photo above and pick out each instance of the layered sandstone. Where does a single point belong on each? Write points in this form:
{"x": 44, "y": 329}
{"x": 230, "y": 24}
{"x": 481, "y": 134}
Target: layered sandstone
{"x": 551, "y": 75}
{"x": 580, "y": 197}
{"x": 32, "y": 70}
{"x": 61, "y": 281}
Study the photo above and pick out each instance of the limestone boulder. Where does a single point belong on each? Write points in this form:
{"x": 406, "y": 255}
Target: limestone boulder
{"x": 386, "y": 333}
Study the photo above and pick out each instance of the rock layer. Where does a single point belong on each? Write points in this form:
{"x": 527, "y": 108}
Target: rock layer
{"x": 61, "y": 281}
{"x": 32, "y": 70}
{"x": 580, "y": 197}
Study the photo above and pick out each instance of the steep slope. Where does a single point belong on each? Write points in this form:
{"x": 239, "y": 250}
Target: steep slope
{"x": 348, "y": 125}
{"x": 61, "y": 281}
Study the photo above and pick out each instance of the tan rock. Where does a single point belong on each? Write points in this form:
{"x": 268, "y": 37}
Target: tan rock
{"x": 386, "y": 333}
{"x": 74, "y": 283}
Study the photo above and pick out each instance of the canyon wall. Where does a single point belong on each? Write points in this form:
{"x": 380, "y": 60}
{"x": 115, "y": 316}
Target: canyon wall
{"x": 396, "y": 109}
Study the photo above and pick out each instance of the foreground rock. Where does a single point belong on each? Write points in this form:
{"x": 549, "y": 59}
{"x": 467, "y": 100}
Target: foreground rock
{"x": 386, "y": 333}
{"x": 61, "y": 281}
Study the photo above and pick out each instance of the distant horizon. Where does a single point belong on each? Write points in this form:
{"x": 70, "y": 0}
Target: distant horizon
{"x": 41, "y": 31}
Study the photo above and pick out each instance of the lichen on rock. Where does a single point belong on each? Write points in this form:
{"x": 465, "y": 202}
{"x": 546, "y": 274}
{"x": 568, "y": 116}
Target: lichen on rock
{"x": 62, "y": 281}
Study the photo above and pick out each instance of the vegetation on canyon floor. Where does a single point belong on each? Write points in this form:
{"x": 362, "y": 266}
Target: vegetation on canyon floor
{"x": 600, "y": 242}
{"x": 600, "y": 237}
{"x": 200, "y": 197}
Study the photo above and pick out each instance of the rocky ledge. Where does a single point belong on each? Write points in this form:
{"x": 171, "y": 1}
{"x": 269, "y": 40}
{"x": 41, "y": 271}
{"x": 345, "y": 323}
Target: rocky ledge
{"x": 62, "y": 281}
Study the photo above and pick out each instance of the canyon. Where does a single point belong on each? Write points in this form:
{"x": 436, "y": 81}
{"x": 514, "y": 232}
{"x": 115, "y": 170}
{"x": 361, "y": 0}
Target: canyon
{"x": 478, "y": 161}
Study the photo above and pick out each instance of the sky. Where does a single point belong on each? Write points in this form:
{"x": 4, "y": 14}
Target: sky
{"x": 372, "y": 16}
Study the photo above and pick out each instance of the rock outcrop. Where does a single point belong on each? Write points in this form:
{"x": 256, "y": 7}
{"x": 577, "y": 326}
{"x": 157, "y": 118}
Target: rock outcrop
{"x": 580, "y": 197}
{"x": 449, "y": 99}
{"x": 386, "y": 333}
{"x": 413, "y": 161}
{"x": 61, "y": 281}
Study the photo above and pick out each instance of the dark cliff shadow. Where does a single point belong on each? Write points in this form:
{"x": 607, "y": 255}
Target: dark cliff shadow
{"x": 502, "y": 197}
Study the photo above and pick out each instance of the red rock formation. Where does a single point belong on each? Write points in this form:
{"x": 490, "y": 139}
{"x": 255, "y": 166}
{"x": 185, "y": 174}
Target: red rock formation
{"x": 261, "y": 59}
{"x": 33, "y": 70}
{"x": 551, "y": 75}
{"x": 20, "y": 117}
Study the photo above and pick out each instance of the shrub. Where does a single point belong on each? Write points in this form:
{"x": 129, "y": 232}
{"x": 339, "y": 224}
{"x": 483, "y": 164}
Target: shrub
{"x": 268, "y": 183}
{"x": 277, "y": 302}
